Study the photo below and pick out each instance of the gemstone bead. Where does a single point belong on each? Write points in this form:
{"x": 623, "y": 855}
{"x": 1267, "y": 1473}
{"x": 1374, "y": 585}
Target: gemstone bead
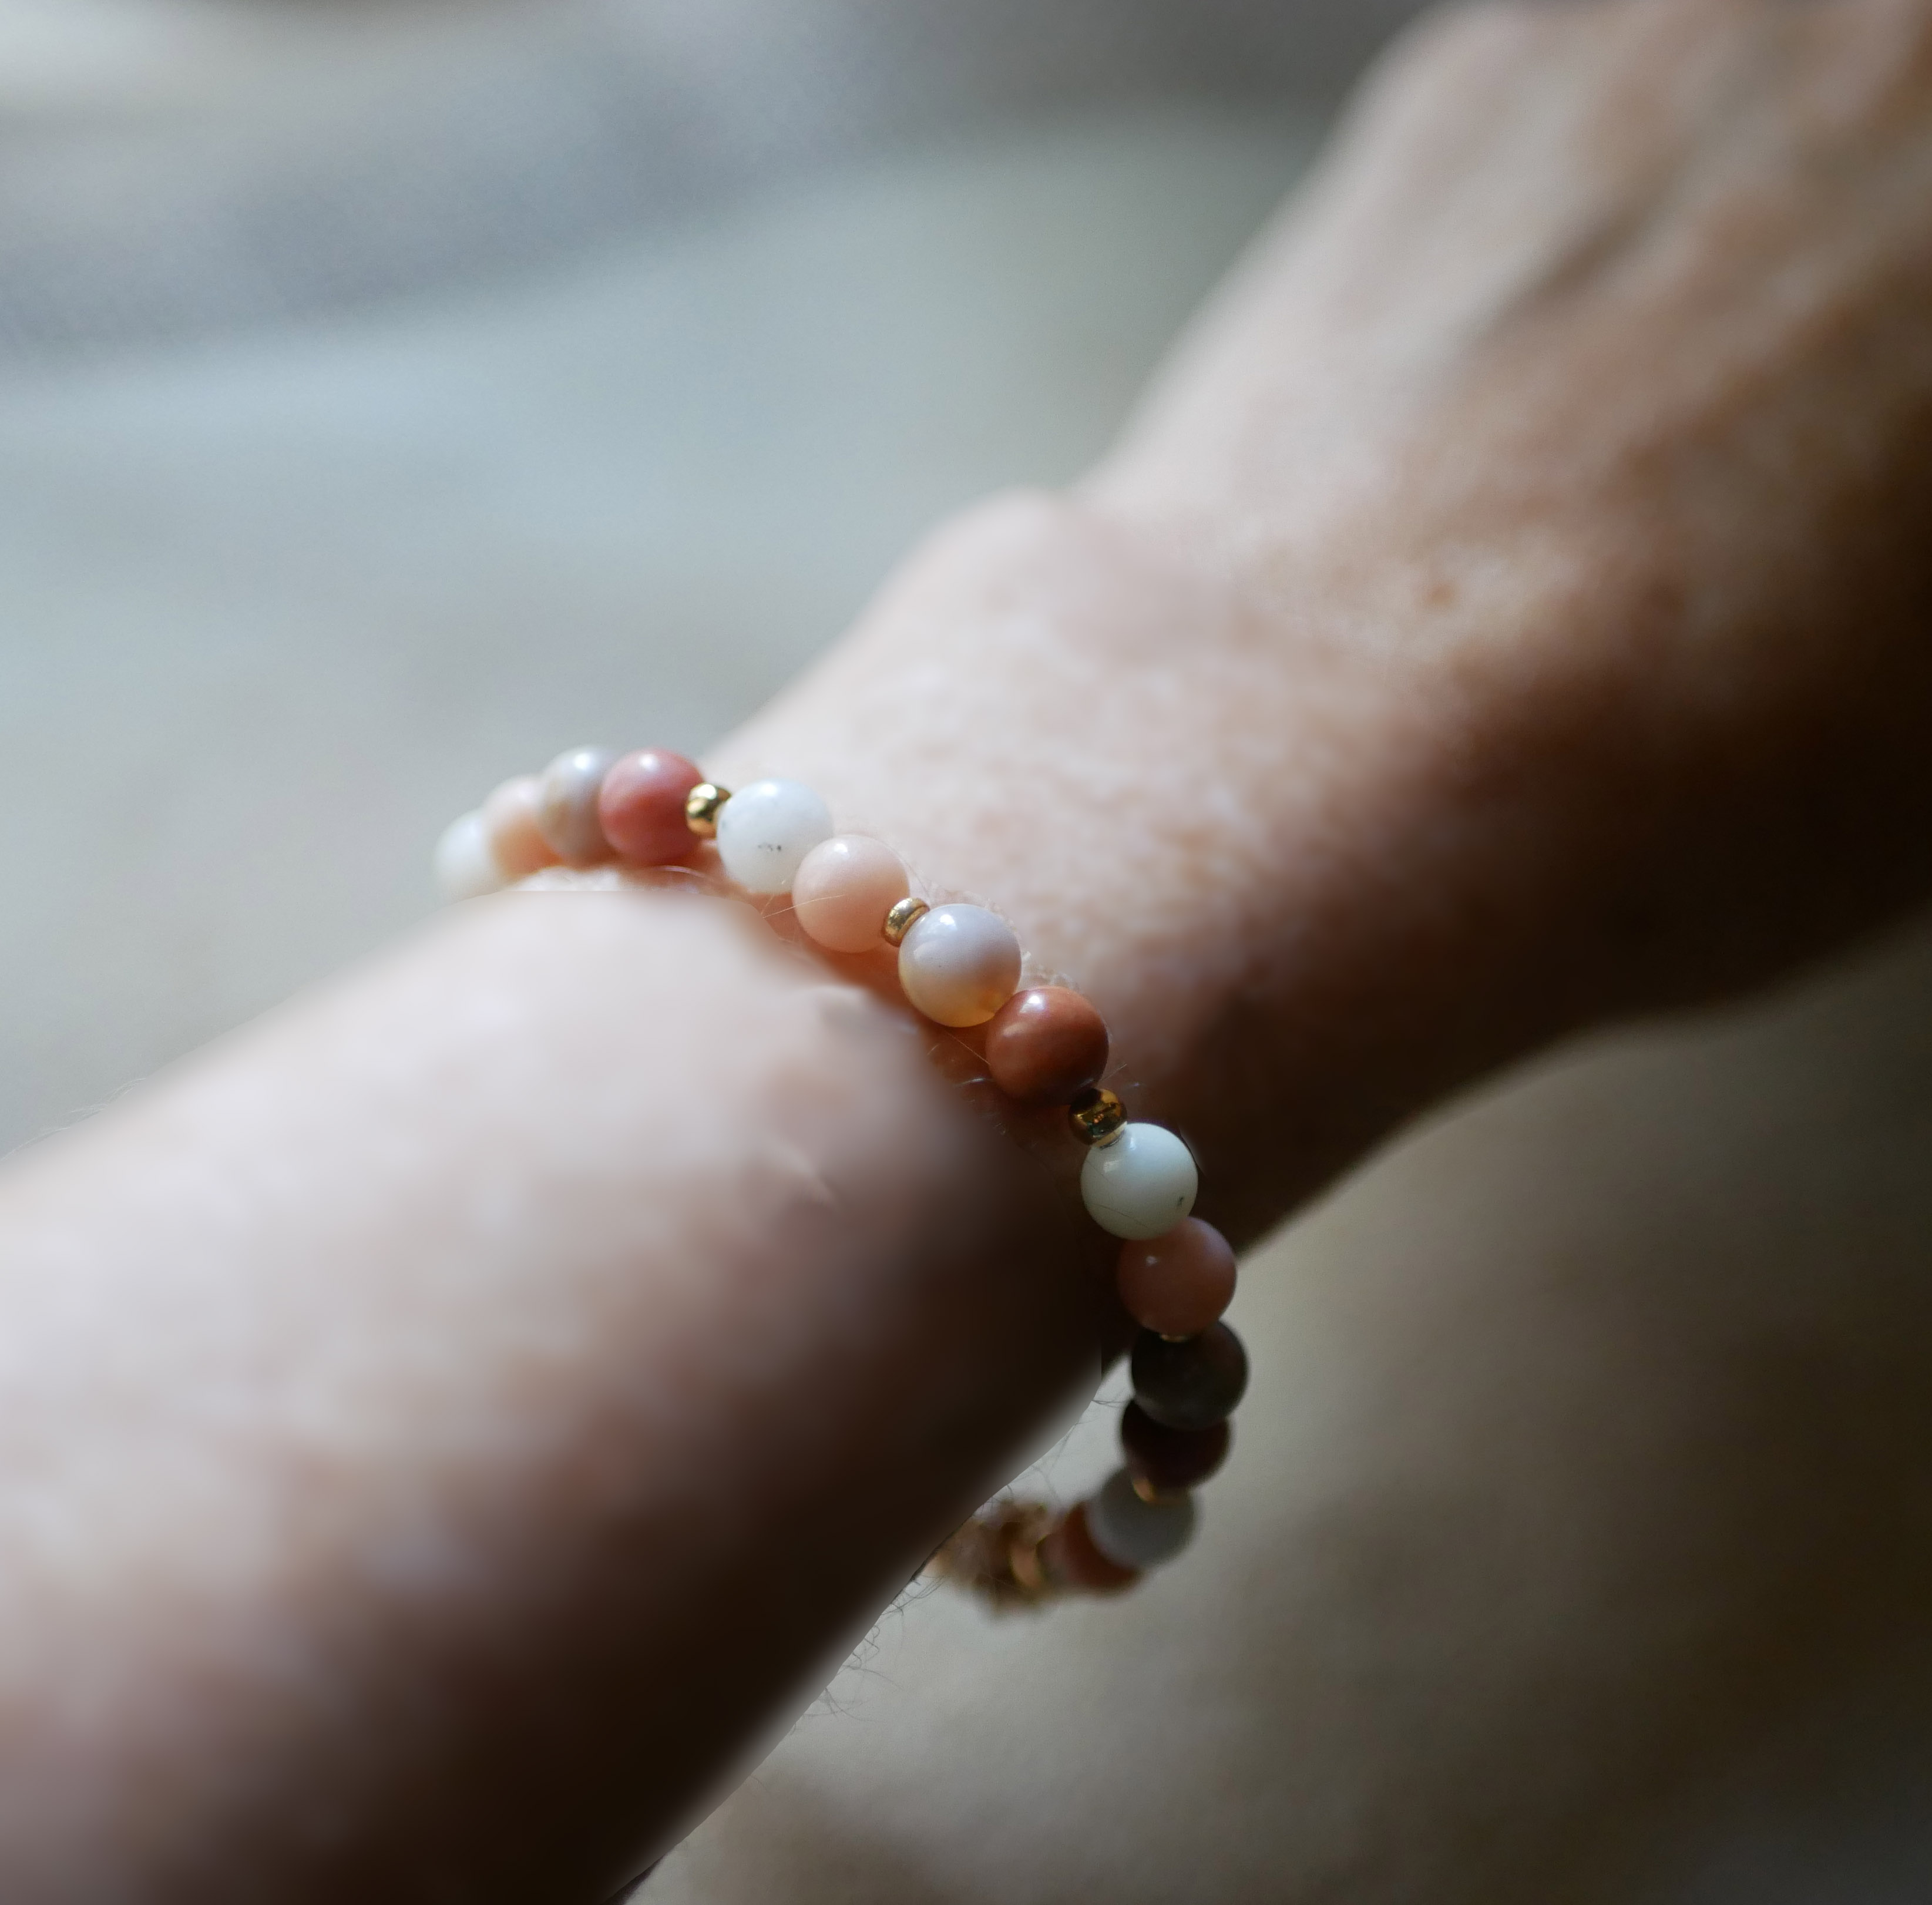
{"x": 465, "y": 867}
{"x": 567, "y": 806}
{"x": 1178, "y": 1283}
{"x": 1140, "y": 1183}
{"x": 958, "y": 965}
{"x": 510, "y": 824}
{"x": 641, "y": 806}
{"x": 1134, "y": 1533}
{"x": 1046, "y": 1044}
{"x": 845, "y": 887}
{"x": 1071, "y": 1560}
{"x": 1191, "y": 1384}
{"x": 765, "y": 831}
{"x": 1171, "y": 1458}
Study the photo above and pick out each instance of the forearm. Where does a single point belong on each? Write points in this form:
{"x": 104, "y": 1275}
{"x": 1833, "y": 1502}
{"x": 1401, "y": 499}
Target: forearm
{"x": 494, "y": 1385}
{"x": 485, "y": 1390}
{"x": 448, "y": 1419}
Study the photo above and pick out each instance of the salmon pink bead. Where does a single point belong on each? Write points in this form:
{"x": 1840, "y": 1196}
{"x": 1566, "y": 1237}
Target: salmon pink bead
{"x": 641, "y": 805}
{"x": 1044, "y": 1045}
{"x": 958, "y": 965}
{"x": 465, "y": 867}
{"x": 510, "y": 824}
{"x": 1072, "y": 1559}
{"x": 844, "y": 888}
{"x": 1179, "y": 1282}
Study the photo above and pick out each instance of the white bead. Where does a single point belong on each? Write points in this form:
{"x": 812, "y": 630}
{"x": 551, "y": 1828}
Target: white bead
{"x": 566, "y": 805}
{"x": 465, "y": 867}
{"x": 1140, "y": 1183}
{"x": 766, "y": 830}
{"x": 958, "y": 965}
{"x": 1132, "y": 1533}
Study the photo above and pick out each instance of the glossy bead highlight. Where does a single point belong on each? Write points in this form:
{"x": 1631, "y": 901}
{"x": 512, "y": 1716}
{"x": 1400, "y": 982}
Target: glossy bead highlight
{"x": 845, "y": 888}
{"x": 465, "y": 868}
{"x": 517, "y": 842}
{"x": 1045, "y": 1045}
{"x": 1140, "y": 1183}
{"x": 567, "y": 795}
{"x": 641, "y": 806}
{"x": 958, "y": 965}
{"x": 1178, "y": 1283}
{"x": 765, "y": 831}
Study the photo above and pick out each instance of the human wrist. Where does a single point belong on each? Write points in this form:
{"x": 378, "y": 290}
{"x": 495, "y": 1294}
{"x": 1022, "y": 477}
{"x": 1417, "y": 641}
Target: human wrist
{"x": 1191, "y": 802}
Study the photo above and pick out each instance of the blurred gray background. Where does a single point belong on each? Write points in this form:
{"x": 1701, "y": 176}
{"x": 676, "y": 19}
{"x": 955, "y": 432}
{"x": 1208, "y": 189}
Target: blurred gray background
{"x": 392, "y": 394}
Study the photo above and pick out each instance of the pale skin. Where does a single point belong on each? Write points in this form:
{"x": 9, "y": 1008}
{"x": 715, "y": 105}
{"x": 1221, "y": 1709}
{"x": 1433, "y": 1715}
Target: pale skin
{"x": 449, "y": 1424}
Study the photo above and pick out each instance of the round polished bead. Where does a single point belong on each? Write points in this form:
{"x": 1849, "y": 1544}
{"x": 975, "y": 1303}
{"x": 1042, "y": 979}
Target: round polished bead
{"x": 959, "y": 964}
{"x": 845, "y": 887}
{"x": 765, "y": 831}
{"x": 1046, "y": 1044}
{"x": 567, "y": 806}
{"x": 641, "y": 806}
{"x": 510, "y": 825}
{"x": 1070, "y": 1558}
{"x": 1190, "y": 1384}
{"x": 1171, "y": 1458}
{"x": 1132, "y": 1532}
{"x": 1140, "y": 1183}
{"x": 1179, "y": 1282}
{"x": 465, "y": 867}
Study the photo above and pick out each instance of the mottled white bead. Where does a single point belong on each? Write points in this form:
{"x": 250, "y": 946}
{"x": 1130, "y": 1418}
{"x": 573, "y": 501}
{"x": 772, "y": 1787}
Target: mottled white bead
{"x": 566, "y": 805}
{"x": 765, "y": 831}
{"x": 1132, "y": 1533}
{"x": 958, "y": 965}
{"x": 1140, "y": 1183}
{"x": 465, "y": 867}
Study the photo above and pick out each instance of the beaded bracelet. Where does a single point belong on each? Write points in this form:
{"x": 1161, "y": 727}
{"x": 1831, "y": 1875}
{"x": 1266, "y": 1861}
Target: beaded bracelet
{"x": 959, "y": 966}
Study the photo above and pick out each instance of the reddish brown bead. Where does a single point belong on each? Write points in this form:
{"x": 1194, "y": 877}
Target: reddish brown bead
{"x": 642, "y": 806}
{"x": 1192, "y": 1385}
{"x": 1045, "y": 1044}
{"x": 1072, "y": 1561}
{"x": 1178, "y": 1283}
{"x": 1171, "y": 1458}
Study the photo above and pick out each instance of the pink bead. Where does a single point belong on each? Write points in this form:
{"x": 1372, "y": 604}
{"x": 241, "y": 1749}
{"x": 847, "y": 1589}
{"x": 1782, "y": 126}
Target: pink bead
{"x": 844, "y": 888}
{"x": 1177, "y": 1284}
{"x": 510, "y": 825}
{"x": 641, "y": 805}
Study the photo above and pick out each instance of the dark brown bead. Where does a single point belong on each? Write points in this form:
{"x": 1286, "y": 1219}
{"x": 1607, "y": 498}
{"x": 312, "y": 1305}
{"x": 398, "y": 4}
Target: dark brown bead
{"x": 1171, "y": 1458}
{"x": 1072, "y": 1561}
{"x": 1191, "y": 1384}
{"x": 1045, "y": 1044}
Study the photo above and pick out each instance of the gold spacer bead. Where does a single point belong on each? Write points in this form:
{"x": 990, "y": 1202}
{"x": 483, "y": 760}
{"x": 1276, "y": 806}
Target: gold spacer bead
{"x": 1096, "y": 1115}
{"x": 899, "y": 921}
{"x": 700, "y": 808}
{"x": 1153, "y": 1496}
